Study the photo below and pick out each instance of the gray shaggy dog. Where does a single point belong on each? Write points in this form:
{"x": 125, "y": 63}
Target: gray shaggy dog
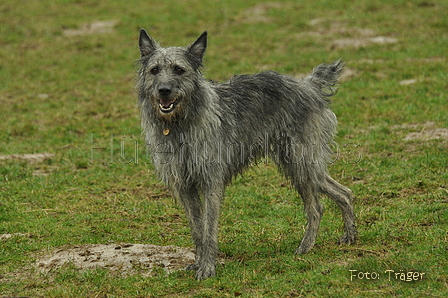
{"x": 201, "y": 134}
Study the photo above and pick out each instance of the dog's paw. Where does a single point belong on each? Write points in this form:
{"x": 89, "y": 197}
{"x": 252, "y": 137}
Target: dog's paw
{"x": 205, "y": 272}
{"x": 192, "y": 267}
{"x": 349, "y": 237}
{"x": 305, "y": 246}
{"x": 303, "y": 249}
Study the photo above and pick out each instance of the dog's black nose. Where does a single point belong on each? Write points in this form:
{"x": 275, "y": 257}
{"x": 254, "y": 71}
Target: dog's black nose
{"x": 165, "y": 90}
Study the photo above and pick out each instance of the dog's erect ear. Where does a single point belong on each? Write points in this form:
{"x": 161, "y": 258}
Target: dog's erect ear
{"x": 198, "y": 47}
{"x": 146, "y": 43}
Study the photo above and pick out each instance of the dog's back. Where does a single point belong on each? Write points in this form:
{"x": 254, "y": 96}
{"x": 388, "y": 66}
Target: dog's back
{"x": 272, "y": 108}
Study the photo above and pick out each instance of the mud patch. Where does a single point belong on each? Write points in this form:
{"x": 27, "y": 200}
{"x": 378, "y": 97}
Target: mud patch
{"x": 126, "y": 259}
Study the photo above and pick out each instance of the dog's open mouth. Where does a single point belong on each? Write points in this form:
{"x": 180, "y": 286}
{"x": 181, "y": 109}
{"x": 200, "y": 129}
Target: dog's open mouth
{"x": 167, "y": 106}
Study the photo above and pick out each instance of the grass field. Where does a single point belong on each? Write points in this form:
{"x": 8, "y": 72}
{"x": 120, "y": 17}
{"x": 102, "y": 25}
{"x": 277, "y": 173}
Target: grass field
{"x": 66, "y": 87}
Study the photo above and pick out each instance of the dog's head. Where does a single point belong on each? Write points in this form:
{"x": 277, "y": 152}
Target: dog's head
{"x": 168, "y": 76}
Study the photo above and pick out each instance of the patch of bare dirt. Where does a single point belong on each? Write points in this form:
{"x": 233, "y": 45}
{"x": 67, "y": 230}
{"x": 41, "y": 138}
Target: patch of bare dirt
{"x": 347, "y": 73}
{"x": 359, "y": 42}
{"x": 126, "y": 259}
{"x": 422, "y": 131}
{"x": 335, "y": 29}
{"x": 428, "y": 134}
{"x": 412, "y": 126}
{"x": 260, "y": 13}
{"x": 97, "y": 27}
{"x": 9, "y": 236}
{"x": 353, "y": 37}
{"x": 36, "y": 157}
{"x": 407, "y": 82}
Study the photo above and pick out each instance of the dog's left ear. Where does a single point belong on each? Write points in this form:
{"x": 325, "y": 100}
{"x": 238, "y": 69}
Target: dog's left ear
{"x": 198, "y": 47}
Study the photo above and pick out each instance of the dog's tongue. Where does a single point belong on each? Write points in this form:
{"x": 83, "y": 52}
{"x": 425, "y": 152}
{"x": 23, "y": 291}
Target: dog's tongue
{"x": 166, "y": 102}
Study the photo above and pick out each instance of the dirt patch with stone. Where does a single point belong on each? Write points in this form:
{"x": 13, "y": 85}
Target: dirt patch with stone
{"x": 125, "y": 259}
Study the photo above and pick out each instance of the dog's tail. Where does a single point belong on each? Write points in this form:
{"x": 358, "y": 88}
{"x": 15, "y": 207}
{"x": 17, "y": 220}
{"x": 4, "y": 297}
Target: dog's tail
{"x": 325, "y": 77}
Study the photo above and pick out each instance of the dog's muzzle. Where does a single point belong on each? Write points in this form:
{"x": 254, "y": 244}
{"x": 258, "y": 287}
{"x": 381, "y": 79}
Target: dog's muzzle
{"x": 166, "y": 103}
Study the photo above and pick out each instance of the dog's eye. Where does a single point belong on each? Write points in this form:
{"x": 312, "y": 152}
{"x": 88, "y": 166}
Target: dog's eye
{"x": 155, "y": 70}
{"x": 178, "y": 70}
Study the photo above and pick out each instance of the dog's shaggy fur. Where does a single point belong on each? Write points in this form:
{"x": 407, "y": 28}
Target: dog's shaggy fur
{"x": 202, "y": 134}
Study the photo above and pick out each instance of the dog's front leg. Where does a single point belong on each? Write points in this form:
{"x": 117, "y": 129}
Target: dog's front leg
{"x": 189, "y": 197}
{"x": 209, "y": 248}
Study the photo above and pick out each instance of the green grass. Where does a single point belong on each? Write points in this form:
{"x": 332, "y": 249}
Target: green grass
{"x": 66, "y": 95}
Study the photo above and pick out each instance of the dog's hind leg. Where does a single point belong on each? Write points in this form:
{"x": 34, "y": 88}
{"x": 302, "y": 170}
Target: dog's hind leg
{"x": 297, "y": 171}
{"x": 342, "y": 196}
{"x": 189, "y": 197}
{"x": 313, "y": 210}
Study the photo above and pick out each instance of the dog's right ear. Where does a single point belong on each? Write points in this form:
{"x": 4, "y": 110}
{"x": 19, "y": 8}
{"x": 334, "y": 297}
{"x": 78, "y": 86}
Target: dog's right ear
{"x": 146, "y": 43}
